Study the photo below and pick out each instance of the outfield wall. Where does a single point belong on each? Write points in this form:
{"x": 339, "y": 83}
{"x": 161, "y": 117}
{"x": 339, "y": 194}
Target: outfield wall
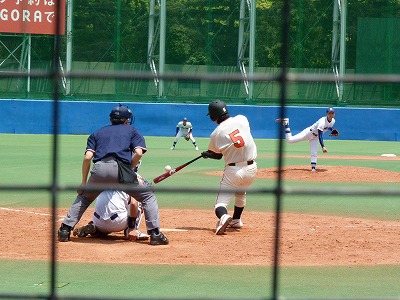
{"x": 83, "y": 117}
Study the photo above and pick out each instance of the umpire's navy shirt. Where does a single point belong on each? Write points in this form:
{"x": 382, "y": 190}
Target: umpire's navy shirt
{"x": 118, "y": 140}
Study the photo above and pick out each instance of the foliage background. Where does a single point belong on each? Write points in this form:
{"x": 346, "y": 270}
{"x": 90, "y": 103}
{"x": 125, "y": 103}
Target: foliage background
{"x": 202, "y": 37}
{"x": 205, "y": 32}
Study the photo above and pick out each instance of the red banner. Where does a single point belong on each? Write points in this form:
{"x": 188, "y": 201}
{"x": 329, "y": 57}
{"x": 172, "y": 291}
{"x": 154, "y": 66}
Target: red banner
{"x": 32, "y": 16}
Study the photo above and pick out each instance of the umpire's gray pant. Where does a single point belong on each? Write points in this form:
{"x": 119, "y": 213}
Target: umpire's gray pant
{"x": 106, "y": 171}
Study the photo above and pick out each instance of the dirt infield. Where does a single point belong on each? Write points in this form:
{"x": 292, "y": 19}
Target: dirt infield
{"x": 332, "y": 174}
{"x": 306, "y": 240}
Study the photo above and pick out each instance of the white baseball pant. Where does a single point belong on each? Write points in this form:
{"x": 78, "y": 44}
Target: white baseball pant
{"x": 305, "y": 135}
{"x": 235, "y": 177}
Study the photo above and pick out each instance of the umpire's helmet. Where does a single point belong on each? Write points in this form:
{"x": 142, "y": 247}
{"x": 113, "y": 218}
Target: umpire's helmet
{"x": 216, "y": 109}
{"x": 119, "y": 114}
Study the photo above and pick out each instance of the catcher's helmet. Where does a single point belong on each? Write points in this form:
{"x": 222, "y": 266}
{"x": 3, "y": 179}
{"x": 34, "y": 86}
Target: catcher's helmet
{"x": 121, "y": 113}
{"x": 216, "y": 109}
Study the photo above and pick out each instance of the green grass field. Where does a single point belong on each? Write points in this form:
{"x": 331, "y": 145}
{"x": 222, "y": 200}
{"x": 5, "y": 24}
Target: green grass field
{"x": 27, "y": 160}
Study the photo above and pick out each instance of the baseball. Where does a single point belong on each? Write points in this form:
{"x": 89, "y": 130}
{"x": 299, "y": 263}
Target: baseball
{"x": 168, "y": 168}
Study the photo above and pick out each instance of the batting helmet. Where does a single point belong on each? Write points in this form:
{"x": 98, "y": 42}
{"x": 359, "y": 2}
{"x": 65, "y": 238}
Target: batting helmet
{"x": 121, "y": 113}
{"x": 216, "y": 109}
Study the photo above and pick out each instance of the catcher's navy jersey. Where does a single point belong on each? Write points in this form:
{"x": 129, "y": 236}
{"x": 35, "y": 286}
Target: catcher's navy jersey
{"x": 118, "y": 140}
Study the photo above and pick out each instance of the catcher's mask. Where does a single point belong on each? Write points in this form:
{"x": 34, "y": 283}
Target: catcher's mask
{"x": 216, "y": 109}
{"x": 119, "y": 114}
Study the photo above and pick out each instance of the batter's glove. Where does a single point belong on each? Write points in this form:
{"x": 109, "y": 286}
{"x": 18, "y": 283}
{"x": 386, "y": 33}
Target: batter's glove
{"x": 334, "y": 132}
{"x": 211, "y": 154}
{"x": 187, "y": 137}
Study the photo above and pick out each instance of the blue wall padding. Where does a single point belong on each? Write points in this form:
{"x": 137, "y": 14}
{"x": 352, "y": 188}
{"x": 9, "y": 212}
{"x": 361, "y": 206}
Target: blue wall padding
{"x": 159, "y": 119}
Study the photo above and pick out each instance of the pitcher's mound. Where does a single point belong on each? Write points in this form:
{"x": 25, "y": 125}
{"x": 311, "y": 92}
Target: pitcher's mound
{"x": 332, "y": 174}
{"x": 328, "y": 174}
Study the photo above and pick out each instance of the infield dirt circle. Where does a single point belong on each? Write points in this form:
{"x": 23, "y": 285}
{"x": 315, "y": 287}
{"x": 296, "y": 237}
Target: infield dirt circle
{"x": 306, "y": 239}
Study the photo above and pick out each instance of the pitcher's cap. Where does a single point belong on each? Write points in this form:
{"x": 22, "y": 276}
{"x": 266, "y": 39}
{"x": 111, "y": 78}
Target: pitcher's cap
{"x": 330, "y": 109}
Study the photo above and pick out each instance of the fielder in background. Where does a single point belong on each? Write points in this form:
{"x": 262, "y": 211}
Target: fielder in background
{"x": 232, "y": 140}
{"x": 115, "y": 150}
{"x": 184, "y": 128}
{"x": 313, "y": 134}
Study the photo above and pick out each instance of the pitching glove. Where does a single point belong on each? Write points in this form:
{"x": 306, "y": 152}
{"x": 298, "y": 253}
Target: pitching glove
{"x": 334, "y": 132}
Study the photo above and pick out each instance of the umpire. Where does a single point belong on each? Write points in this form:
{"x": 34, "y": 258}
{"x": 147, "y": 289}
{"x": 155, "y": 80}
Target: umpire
{"x": 115, "y": 149}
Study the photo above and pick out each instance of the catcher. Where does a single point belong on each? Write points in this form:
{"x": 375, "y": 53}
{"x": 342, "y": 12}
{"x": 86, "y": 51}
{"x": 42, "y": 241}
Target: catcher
{"x": 184, "y": 128}
{"x": 114, "y": 211}
{"x": 313, "y": 134}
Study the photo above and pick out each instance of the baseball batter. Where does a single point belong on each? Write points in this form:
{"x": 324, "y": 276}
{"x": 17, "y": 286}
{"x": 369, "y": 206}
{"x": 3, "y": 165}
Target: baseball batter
{"x": 232, "y": 140}
{"x": 115, "y": 150}
{"x": 184, "y": 129}
{"x": 313, "y": 134}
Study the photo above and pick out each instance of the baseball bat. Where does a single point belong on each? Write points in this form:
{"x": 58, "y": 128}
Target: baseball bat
{"x": 173, "y": 171}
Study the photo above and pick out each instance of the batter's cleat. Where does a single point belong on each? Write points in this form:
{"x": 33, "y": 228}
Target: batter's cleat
{"x": 158, "y": 239}
{"x": 284, "y": 121}
{"x": 235, "y": 223}
{"x": 84, "y": 230}
{"x": 313, "y": 170}
{"x": 223, "y": 223}
{"x": 197, "y": 148}
{"x": 64, "y": 234}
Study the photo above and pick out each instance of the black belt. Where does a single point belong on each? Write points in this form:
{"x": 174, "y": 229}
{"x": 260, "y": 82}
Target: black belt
{"x": 314, "y": 133}
{"x": 249, "y": 162}
{"x": 113, "y": 217}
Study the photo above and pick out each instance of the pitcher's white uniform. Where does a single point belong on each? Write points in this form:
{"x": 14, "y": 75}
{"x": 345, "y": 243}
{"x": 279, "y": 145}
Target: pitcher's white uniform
{"x": 313, "y": 134}
{"x": 232, "y": 138}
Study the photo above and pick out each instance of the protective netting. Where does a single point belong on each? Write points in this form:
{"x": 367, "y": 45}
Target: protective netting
{"x": 203, "y": 39}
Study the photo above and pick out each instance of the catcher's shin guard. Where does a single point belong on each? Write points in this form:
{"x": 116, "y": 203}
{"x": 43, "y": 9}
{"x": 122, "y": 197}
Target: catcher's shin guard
{"x": 139, "y": 215}
{"x": 140, "y": 235}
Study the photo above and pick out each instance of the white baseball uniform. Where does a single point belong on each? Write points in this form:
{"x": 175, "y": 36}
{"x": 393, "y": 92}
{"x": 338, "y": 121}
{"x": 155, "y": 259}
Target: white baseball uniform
{"x": 232, "y": 138}
{"x": 183, "y": 128}
{"x": 311, "y": 134}
{"x": 111, "y": 210}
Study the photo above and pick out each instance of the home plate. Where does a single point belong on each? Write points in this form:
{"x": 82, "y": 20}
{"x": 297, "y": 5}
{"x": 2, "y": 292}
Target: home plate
{"x": 388, "y": 155}
{"x": 172, "y": 229}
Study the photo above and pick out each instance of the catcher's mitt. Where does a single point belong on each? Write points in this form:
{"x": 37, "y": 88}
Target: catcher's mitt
{"x": 187, "y": 137}
{"x": 334, "y": 132}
